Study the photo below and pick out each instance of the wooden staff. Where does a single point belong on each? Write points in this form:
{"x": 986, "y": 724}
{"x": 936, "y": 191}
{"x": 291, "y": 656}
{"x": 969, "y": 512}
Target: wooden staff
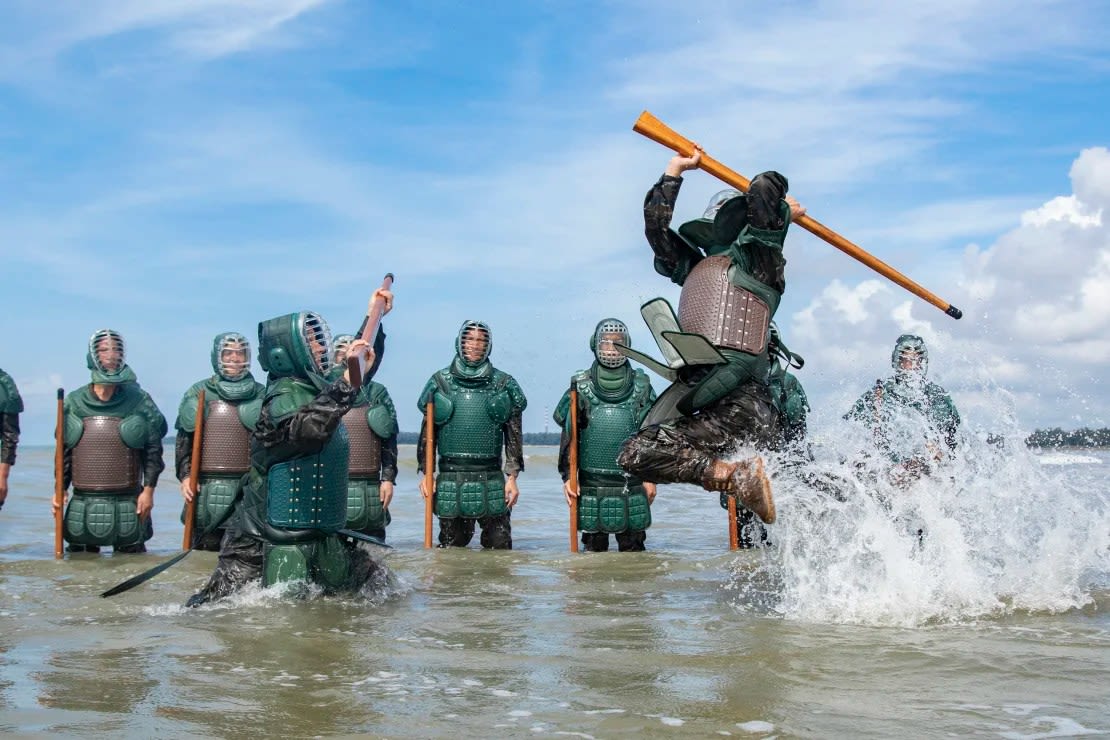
{"x": 194, "y": 474}
{"x": 572, "y": 472}
{"x": 733, "y": 527}
{"x": 657, "y": 131}
{"x": 59, "y": 482}
{"x": 356, "y": 366}
{"x": 429, "y": 469}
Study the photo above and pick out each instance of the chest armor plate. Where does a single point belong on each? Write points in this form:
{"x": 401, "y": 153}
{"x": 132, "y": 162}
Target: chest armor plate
{"x": 725, "y": 314}
{"x": 610, "y": 425}
{"x": 101, "y": 461}
{"x": 366, "y": 447}
{"x": 226, "y": 443}
{"x": 470, "y": 432}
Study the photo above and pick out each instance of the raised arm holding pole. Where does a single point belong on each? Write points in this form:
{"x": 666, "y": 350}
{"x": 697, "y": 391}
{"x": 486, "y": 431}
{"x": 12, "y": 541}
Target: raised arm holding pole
{"x": 654, "y": 129}
{"x": 357, "y": 362}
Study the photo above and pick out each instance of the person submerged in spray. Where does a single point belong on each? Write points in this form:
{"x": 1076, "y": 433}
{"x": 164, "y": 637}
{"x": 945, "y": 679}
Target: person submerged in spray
{"x": 294, "y": 498}
{"x": 371, "y": 427}
{"x": 613, "y": 399}
{"x": 732, "y": 272}
{"x": 233, "y": 401}
{"x": 112, "y": 454}
{"x": 11, "y": 406}
{"x": 478, "y": 412}
{"x": 914, "y": 422}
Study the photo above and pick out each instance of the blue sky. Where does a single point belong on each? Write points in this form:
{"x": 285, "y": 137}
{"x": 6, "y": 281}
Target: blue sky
{"x": 181, "y": 168}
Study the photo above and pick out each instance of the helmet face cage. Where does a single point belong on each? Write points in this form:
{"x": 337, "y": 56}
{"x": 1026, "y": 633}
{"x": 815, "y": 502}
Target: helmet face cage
{"x": 910, "y": 355}
{"x": 607, "y": 335}
{"x": 317, "y": 340}
{"x": 718, "y": 200}
{"x": 233, "y": 357}
{"x": 340, "y": 345}
{"x": 474, "y": 343}
{"x": 107, "y": 350}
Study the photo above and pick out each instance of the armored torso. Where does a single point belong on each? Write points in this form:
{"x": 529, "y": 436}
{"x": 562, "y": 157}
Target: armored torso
{"x": 727, "y": 315}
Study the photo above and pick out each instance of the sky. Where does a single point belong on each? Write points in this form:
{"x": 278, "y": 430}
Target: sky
{"x": 180, "y": 168}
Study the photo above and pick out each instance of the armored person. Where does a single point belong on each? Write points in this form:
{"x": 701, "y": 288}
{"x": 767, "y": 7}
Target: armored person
{"x": 478, "y": 411}
{"x": 295, "y": 495}
{"x": 732, "y": 272}
{"x": 613, "y": 399}
{"x": 11, "y": 406}
{"x": 232, "y": 400}
{"x": 914, "y": 421}
{"x": 371, "y": 427}
{"x": 112, "y": 453}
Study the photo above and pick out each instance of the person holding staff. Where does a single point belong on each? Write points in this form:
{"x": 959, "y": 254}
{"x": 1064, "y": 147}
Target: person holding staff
{"x": 613, "y": 399}
{"x": 112, "y": 454}
{"x": 478, "y": 412}
{"x": 11, "y": 406}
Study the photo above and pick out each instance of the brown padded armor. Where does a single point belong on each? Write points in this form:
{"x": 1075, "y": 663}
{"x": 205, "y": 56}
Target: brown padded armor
{"x": 366, "y": 447}
{"x": 225, "y": 446}
{"x": 725, "y": 314}
{"x": 101, "y": 461}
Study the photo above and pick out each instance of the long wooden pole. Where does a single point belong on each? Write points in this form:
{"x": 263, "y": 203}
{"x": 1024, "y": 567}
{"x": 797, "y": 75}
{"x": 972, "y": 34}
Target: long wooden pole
{"x": 194, "y": 473}
{"x": 572, "y": 473}
{"x": 733, "y": 527}
{"x": 59, "y": 481}
{"x": 356, "y": 366}
{"x": 429, "y": 469}
{"x": 657, "y": 131}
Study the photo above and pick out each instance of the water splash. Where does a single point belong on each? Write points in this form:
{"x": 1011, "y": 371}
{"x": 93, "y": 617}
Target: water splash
{"x": 992, "y": 532}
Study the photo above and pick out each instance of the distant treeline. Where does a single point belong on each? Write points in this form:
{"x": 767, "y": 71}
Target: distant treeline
{"x": 530, "y": 438}
{"x": 1079, "y": 438}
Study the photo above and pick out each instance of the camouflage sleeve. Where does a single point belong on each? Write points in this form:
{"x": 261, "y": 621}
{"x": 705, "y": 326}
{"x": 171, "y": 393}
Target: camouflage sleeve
{"x": 514, "y": 443}
{"x": 379, "y": 351}
{"x": 9, "y": 437}
{"x": 389, "y": 458}
{"x": 309, "y": 428}
{"x": 561, "y": 416}
{"x": 674, "y": 258}
{"x": 422, "y": 404}
{"x": 183, "y": 454}
{"x": 949, "y": 421}
{"x": 863, "y": 409}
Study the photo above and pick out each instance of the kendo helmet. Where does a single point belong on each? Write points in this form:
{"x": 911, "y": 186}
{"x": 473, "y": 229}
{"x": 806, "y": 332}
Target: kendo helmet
{"x": 910, "y": 347}
{"x": 479, "y": 333}
{"x": 231, "y": 356}
{"x": 718, "y": 200}
{"x": 340, "y": 344}
{"x": 603, "y": 340}
{"x": 296, "y": 344}
{"x": 107, "y": 353}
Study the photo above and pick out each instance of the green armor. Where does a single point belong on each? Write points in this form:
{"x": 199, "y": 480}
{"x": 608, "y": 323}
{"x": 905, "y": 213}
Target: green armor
{"x": 608, "y": 500}
{"x": 10, "y": 400}
{"x": 471, "y": 495}
{"x": 311, "y": 492}
{"x": 473, "y": 431}
{"x": 325, "y": 561}
{"x": 97, "y": 519}
{"x": 364, "y": 506}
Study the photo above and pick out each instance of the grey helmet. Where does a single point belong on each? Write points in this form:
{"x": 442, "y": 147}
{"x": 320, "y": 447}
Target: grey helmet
{"x": 107, "y": 352}
{"x": 608, "y": 333}
{"x": 228, "y": 366}
{"x": 296, "y": 344}
{"x": 482, "y": 330}
{"x": 912, "y": 347}
{"x": 718, "y": 200}
{"x": 340, "y": 344}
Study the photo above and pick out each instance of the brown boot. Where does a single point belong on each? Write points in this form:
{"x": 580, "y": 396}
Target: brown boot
{"x": 747, "y": 481}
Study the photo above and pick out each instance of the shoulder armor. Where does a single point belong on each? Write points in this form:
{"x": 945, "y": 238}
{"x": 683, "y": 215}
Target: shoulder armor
{"x": 286, "y": 397}
{"x": 381, "y": 415}
{"x": 134, "y": 430}
{"x": 10, "y": 400}
{"x": 249, "y": 412}
{"x": 187, "y": 410}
